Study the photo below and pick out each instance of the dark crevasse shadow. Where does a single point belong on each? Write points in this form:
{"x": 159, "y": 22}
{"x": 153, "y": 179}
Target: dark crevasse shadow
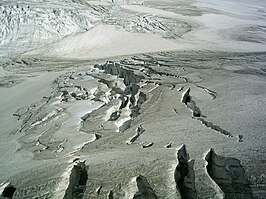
{"x": 144, "y": 189}
{"x": 8, "y": 192}
{"x": 230, "y": 176}
{"x": 184, "y": 175}
{"x": 77, "y": 182}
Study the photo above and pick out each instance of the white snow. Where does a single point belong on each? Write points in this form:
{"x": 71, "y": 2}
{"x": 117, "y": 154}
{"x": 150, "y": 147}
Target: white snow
{"x": 105, "y": 41}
